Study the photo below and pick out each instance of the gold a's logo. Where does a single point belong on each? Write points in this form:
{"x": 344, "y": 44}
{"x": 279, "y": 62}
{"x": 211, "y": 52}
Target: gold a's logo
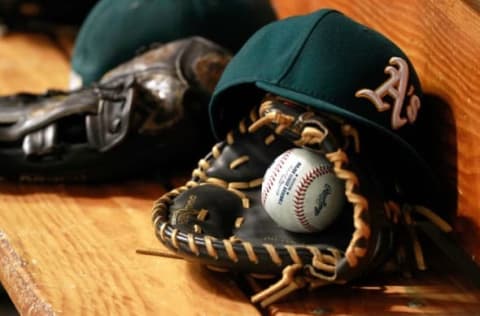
{"x": 396, "y": 88}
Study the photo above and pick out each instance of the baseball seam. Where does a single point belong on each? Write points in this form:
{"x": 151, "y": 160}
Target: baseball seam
{"x": 299, "y": 197}
{"x": 273, "y": 177}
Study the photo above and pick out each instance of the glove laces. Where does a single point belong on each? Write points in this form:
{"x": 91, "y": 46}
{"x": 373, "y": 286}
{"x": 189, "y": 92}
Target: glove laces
{"x": 322, "y": 268}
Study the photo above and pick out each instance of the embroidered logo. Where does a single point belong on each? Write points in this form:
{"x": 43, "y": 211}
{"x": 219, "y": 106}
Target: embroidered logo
{"x": 183, "y": 215}
{"x": 396, "y": 88}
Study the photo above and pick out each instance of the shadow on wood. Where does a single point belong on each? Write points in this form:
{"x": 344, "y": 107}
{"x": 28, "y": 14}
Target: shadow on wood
{"x": 441, "y": 138}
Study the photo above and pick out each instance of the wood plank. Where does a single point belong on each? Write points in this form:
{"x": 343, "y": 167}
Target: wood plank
{"x": 64, "y": 39}
{"x": 442, "y": 38}
{"x": 428, "y": 294}
{"x": 71, "y": 249}
{"x": 32, "y": 63}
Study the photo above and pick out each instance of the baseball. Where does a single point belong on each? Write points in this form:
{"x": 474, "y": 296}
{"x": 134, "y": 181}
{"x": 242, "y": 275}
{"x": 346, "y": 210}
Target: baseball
{"x": 301, "y": 192}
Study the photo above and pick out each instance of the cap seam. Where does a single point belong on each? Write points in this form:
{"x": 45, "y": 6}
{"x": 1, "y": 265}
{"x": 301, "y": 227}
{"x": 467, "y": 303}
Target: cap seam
{"x": 302, "y": 46}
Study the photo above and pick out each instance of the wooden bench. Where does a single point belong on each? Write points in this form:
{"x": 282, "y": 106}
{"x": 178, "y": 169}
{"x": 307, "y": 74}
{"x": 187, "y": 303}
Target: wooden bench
{"x": 70, "y": 249}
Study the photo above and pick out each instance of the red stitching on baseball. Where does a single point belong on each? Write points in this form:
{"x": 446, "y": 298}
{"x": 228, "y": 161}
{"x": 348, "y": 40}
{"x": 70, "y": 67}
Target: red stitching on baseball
{"x": 299, "y": 197}
{"x": 274, "y": 173}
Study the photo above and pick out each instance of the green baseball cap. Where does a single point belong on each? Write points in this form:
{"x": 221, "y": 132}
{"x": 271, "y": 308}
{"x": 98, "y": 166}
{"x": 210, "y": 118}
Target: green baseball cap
{"x": 115, "y": 29}
{"x": 333, "y": 64}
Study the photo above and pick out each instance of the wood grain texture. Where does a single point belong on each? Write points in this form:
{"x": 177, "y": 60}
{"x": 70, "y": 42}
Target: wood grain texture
{"x": 31, "y": 63}
{"x": 19, "y": 280}
{"x": 429, "y": 294}
{"x": 442, "y": 38}
{"x": 70, "y": 250}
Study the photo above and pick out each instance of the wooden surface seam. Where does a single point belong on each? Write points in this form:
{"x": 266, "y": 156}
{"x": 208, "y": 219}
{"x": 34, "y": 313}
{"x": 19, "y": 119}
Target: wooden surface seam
{"x": 15, "y": 277}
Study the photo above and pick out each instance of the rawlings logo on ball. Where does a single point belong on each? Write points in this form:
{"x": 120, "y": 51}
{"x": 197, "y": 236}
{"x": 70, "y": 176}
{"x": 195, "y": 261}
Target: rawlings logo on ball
{"x": 322, "y": 199}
